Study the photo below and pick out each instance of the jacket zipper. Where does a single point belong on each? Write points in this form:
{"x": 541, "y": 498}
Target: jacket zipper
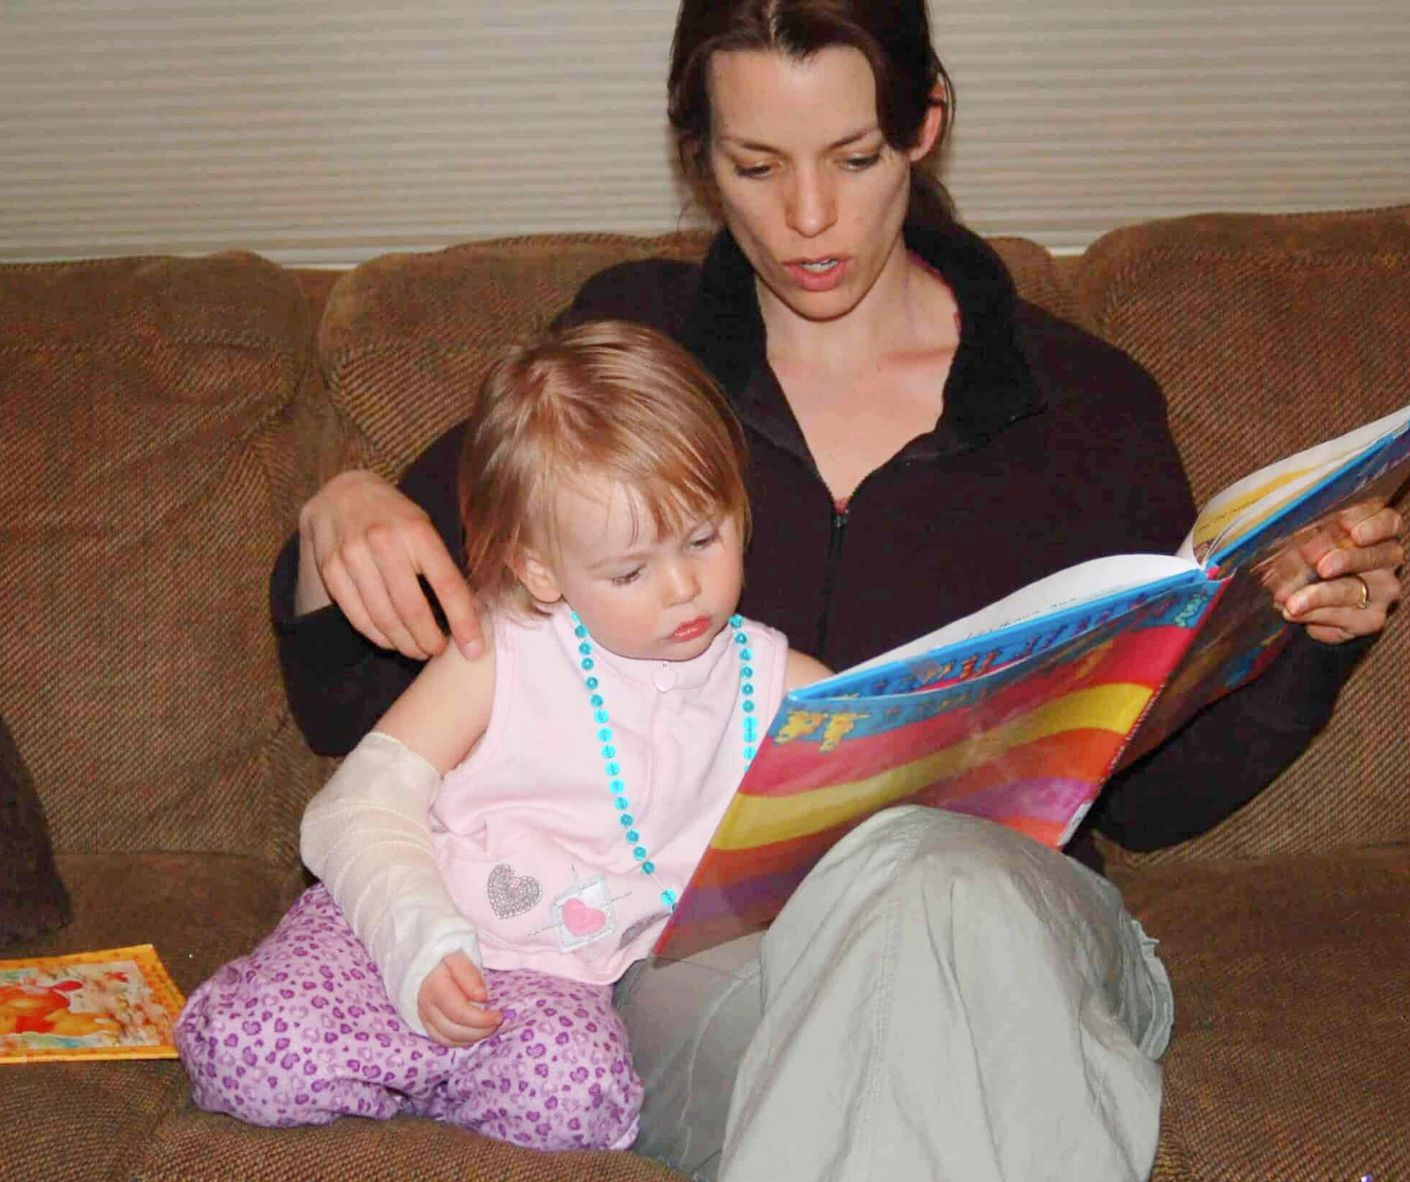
{"x": 835, "y": 537}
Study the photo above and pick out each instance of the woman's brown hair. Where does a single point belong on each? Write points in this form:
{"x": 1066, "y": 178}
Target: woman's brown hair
{"x": 893, "y": 35}
{"x": 606, "y": 399}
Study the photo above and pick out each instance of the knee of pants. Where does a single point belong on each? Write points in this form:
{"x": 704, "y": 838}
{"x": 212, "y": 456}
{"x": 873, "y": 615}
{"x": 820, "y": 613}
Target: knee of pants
{"x": 570, "y": 1075}
{"x": 265, "y": 1063}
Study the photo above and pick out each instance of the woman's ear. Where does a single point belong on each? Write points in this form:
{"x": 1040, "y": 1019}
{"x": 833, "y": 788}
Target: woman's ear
{"x": 537, "y": 578}
{"x": 937, "y": 115}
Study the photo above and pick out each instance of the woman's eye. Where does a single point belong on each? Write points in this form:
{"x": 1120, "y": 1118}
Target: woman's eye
{"x": 862, "y": 163}
{"x": 751, "y": 172}
{"x": 626, "y": 580}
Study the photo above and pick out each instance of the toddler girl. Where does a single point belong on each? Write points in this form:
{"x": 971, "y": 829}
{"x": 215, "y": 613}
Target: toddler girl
{"x": 572, "y": 775}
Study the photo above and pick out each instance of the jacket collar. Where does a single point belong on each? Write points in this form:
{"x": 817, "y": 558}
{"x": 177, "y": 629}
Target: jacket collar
{"x": 990, "y": 384}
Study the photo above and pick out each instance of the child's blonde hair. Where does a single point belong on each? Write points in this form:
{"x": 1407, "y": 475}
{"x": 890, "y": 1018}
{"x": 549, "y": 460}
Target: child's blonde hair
{"x": 604, "y": 398}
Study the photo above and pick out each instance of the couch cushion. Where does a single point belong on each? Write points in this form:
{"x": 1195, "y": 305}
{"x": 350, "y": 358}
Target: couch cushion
{"x": 1268, "y": 334}
{"x": 194, "y": 1146}
{"x": 142, "y": 501}
{"x": 199, "y": 911}
{"x": 1292, "y": 985}
{"x": 32, "y": 895}
{"x": 407, "y": 338}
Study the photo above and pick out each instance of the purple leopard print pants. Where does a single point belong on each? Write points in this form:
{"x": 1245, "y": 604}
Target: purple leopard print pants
{"x": 301, "y": 1031}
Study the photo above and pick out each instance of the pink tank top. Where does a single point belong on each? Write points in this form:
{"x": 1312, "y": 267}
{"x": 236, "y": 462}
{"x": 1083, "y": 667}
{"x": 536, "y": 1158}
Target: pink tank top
{"x": 525, "y": 828}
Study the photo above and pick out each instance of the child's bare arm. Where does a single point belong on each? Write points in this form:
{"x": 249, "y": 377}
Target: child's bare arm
{"x": 443, "y": 713}
{"x": 802, "y": 670}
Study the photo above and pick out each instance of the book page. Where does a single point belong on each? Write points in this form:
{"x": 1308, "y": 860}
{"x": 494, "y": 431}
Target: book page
{"x": 1083, "y": 584}
{"x": 1244, "y": 506}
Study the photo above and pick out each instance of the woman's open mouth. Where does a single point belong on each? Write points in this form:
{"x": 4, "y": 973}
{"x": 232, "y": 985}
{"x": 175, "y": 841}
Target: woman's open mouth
{"x": 818, "y": 274}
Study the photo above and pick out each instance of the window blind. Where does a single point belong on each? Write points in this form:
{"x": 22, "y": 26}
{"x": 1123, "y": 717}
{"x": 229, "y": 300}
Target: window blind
{"x": 330, "y": 131}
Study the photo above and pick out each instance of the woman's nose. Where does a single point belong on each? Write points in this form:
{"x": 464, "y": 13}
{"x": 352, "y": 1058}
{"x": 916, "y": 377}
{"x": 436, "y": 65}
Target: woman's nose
{"x": 812, "y": 205}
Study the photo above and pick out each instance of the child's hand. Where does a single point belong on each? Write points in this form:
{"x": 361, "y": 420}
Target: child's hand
{"x": 452, "y": 1003}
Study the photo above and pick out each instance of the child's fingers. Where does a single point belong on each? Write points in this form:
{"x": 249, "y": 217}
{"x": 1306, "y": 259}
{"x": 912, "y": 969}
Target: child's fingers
{"x": 466, "y": 976}
{"x": 452, "y": 1029}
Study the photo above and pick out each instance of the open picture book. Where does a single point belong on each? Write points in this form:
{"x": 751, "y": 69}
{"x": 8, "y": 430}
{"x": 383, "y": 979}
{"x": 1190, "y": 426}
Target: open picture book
{"x": 119, "y": 1003}
{"x": 1020, "y": 712}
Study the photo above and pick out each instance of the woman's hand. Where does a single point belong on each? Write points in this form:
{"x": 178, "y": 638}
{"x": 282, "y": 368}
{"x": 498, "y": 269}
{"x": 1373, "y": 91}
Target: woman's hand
{"x": 1357, "y": 557}
{"x": 452, "y": 1006}
{"x": 362, "y": 545}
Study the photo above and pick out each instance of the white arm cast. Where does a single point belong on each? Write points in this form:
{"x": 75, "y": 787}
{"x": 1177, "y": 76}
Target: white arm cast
{"x": 368, "y": 837}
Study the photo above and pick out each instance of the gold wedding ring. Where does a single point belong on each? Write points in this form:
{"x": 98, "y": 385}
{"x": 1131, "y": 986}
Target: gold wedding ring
{"x": 1365, "y": 593}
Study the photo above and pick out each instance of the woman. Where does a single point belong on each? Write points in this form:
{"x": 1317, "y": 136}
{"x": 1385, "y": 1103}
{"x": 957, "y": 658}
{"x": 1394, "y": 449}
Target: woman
{"x": 940, "y": 998}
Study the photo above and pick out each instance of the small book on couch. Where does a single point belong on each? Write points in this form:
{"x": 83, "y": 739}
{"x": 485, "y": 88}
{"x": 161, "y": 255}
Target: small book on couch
{"x": 1020, "y": 712}
{"x": 116, "y": 1004}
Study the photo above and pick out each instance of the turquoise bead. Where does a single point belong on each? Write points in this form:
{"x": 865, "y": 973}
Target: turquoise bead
{"x": 617, "y": 785}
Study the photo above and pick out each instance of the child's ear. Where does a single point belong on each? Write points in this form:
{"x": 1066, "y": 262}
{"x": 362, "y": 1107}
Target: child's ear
{"x": 537, "y": 578}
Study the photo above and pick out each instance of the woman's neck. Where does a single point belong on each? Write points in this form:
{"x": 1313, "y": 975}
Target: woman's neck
{"x": 901, "y": 313}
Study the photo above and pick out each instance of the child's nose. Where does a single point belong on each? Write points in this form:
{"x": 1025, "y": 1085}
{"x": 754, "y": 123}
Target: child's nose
{"x": 684, "y": 583}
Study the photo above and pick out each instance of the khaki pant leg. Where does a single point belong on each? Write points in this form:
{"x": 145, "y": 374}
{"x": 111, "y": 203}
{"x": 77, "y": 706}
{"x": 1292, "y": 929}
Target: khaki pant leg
{"x": 689, "y": 1022}
{"x": 947, "y": 1000}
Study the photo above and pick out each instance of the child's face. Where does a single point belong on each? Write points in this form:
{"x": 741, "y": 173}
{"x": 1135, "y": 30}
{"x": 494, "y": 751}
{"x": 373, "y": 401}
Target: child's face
{"x": 640, "y": 595}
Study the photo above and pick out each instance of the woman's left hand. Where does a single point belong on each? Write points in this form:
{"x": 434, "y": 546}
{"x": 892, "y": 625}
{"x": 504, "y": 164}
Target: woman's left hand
{"x": 1357, "y": 557}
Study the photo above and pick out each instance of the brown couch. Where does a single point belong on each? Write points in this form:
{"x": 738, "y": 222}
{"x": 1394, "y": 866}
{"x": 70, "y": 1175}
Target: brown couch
{"x": 163, "y": 419}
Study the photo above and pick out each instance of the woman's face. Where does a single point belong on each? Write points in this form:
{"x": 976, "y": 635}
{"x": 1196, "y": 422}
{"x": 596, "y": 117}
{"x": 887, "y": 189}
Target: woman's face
{"x": 807, "y": 184}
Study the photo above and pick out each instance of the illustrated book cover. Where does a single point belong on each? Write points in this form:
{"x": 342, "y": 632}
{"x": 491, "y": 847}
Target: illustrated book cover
{"x": 119, "y": 1003}
{"x": 1020, "y": 712}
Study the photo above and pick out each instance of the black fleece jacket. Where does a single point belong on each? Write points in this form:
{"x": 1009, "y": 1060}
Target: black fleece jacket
{"x": 1052, "y": 449}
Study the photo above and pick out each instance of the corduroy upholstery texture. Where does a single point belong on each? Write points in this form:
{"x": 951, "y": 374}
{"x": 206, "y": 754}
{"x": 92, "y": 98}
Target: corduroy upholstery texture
{"x": 166, "y": 417}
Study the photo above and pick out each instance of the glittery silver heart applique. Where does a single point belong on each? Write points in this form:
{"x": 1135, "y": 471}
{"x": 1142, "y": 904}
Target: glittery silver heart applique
{"x": 511, "y": 894}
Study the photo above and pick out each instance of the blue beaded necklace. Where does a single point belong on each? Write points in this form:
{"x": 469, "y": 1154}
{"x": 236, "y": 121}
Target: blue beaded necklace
{"x": 749, "y": 731}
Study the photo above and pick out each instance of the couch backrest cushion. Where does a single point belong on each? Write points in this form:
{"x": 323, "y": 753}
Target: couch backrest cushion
{"x": 407, "y": 338}
{"x": 1268, "y": 334}
{"x": 142, "y": 501}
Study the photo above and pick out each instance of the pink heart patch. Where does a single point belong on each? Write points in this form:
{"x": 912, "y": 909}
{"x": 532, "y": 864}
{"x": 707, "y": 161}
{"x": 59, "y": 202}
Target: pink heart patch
{"x": 582, "y": 920}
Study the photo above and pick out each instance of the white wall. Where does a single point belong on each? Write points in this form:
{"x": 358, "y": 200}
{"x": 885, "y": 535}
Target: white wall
{"x": 334, "y": 130}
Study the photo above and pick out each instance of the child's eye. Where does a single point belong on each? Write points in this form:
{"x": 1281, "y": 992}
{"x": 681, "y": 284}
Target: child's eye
{"x": 701, "y": 541}
{"x": 626, "y": 580}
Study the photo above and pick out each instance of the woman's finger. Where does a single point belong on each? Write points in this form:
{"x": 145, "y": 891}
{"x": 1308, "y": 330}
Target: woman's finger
{"x": 365, "y": 572}
{"x": 398, "y": 567}
{"x": 454, "y": 595}
{"x": 1350, "y": 560}
{"x": 343, "y": 592}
